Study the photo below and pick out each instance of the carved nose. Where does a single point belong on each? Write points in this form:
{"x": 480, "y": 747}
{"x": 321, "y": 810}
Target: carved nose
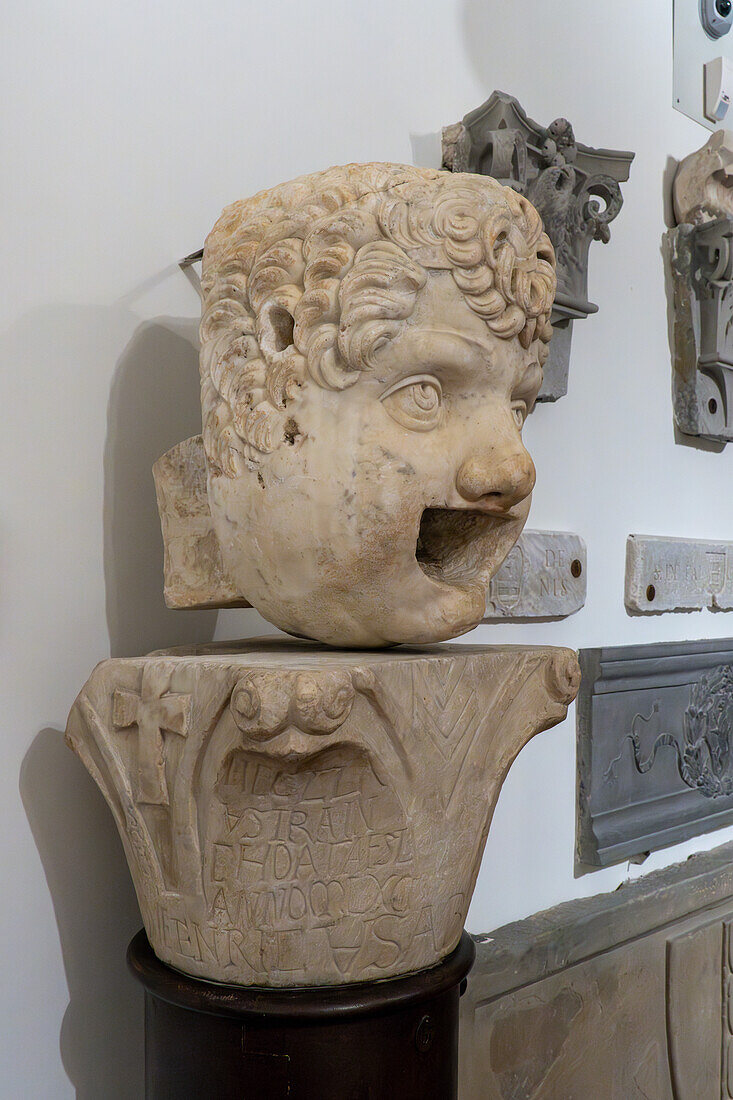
{"x": 497, "y": 488}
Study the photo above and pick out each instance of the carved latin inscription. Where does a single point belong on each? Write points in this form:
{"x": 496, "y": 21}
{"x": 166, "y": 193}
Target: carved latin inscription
{"x": 543, "y": 577}
{"x": 668, "y": 574}
{"x": 321, "y": 861}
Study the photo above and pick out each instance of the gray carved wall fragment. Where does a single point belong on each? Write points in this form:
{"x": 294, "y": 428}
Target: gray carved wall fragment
{"x": 654, "y": 747}
{"x": 700, "y": 260}
{"x": 543, "y": 577}
{"x": 670, "y": 574}
{"x": 623, "y": 996}
{"x": 574, "y": 187}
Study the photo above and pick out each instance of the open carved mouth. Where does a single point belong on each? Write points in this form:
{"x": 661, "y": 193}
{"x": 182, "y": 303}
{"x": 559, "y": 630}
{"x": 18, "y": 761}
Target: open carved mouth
{"x": 451, "y": 544}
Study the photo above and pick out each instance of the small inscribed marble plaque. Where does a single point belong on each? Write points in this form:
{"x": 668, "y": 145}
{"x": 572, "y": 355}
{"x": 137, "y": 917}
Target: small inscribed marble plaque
{"x": 655, "y": 747}
{"x": 544, "y": 577}
{"x": 666, "y": 574}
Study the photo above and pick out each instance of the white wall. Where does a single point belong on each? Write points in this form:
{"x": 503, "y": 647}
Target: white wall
{"x": 126, "y": 127}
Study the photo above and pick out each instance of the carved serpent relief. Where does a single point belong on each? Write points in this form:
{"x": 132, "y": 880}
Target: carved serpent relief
{"x": 703, "y": 753}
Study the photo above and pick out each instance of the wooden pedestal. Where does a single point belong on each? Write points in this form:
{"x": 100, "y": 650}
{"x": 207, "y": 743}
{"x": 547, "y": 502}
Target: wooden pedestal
{"x": 369, "y": 1041}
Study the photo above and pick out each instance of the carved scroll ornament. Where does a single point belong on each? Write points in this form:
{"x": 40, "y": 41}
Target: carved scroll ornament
{"x": 655, "y": 747}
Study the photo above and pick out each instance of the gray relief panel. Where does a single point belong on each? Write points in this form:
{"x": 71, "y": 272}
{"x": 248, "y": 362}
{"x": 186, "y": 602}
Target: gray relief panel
{"x": 655, "y": 751}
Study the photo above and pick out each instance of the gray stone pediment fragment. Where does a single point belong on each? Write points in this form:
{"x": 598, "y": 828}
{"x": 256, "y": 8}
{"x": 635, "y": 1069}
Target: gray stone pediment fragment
{"x": 655, "y": 747}
{"x": 574, "y": 187}
{"x": 700, "y": 262}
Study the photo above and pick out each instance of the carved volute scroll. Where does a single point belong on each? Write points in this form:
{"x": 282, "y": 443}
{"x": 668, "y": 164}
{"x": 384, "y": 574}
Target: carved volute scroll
{"x": 575, "y": 189}
{"x": 294, "y": 816}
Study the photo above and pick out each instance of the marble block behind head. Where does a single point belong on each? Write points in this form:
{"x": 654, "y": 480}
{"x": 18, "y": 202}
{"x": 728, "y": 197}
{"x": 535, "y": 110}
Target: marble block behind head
{"x": 372, "y": 340}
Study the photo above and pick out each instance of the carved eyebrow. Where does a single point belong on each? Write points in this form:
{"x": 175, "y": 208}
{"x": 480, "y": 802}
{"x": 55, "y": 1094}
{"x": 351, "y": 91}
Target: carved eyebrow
{"x": 465, "y": 338}
{"x": 441, "y": 356}
{"x": 448, "y": 351}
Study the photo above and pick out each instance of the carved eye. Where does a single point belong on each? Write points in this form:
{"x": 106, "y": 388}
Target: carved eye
{"x": 415, "y": 403}
{"x": 519, "y": 412}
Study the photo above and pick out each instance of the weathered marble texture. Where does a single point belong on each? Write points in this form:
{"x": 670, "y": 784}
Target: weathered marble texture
{"x": 671, "y": 574}
{"x": 193, "y": 570}
{"x": 703, "y": 184}
{"x": 297, "y": 816}
{"x": 372, "y": 339}
{"x": 699, "y": 259}
{"x": 543, "y": 577}
{"x": 700, "y": 263}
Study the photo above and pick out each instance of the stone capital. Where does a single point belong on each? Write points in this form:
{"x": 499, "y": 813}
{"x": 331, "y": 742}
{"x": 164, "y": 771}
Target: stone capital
{"x": 316, "y": 817}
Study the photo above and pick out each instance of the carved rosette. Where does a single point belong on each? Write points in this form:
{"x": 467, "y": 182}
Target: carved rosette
{"x": 298, "y": 817}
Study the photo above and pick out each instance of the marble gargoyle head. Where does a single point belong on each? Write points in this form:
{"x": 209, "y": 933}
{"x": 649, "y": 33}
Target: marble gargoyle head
{"x": 372, "y": 340}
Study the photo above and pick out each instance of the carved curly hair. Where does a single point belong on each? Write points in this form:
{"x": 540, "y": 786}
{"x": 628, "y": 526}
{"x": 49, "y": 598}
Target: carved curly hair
{"x": 308, "y": 280}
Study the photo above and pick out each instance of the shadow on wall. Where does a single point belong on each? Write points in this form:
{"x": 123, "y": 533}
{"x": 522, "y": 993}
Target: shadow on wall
{"x": 97, "y": 914}
{"x": 154, "y": 403}
{"x": 479, "y": 37}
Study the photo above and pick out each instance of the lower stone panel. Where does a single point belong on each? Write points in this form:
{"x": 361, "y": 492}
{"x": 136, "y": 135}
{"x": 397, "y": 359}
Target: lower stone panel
{"x": 625, "y": 996}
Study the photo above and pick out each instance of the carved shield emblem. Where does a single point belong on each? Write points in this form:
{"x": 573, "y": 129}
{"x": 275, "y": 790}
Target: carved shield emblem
{"x": 506, "y": 588}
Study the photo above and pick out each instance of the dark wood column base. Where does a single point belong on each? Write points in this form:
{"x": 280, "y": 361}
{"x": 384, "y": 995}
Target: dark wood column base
{"x": 372, "y": 1041}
